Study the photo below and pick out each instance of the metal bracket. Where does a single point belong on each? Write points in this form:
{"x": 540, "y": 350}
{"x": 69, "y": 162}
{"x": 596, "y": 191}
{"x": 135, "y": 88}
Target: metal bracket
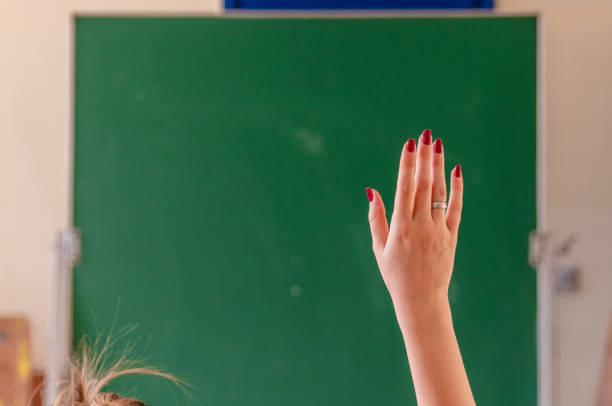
{"x": 538, "y": 241}
{"x": 541, "y": 244}
{"x": 69, "y": 247}
{"x": 543, "y": 248}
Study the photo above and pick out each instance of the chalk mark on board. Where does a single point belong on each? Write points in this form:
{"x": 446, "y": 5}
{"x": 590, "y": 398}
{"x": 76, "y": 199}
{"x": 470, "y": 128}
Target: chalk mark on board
{"x": 311, "y": 142}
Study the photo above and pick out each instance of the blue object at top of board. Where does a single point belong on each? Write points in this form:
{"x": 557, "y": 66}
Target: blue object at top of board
{"x": 357, "y": 4}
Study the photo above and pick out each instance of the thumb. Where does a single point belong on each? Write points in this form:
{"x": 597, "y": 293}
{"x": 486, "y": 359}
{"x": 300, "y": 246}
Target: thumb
{"x": 378, "y": 222}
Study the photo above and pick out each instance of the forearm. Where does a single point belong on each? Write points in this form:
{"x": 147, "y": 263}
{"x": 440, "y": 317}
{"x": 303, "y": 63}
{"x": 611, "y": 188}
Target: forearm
{"x": 433, "y": 353}
{"x": 416, "y": 262}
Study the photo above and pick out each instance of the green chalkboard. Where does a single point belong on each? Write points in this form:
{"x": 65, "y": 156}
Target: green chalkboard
{"x": 220, "y": 166}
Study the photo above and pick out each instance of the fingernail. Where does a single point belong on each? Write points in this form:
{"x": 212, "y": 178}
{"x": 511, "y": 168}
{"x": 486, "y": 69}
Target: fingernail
{"x": 458, "y": 171}
{"x": 411, "y": 145}
{"x": 426, "y": 137}
{"x": 438, "y": 146}
{"x": 370, "y": 194}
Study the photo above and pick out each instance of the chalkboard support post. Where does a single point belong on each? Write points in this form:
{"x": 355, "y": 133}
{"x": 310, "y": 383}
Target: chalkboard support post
{"x": 67, "y": 256}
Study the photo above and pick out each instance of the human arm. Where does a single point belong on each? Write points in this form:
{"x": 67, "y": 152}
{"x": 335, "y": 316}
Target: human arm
{"x": 415, "y": 255}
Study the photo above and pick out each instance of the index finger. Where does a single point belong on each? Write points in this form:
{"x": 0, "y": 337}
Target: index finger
{"x": 404, "y": 193}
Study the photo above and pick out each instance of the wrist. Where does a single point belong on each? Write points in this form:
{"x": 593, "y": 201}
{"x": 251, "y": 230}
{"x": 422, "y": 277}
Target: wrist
{"x": 423, "y": 311}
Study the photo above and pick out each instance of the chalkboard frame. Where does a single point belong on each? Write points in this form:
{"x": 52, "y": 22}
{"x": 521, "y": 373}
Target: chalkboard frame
{"x": 545, "y": 383}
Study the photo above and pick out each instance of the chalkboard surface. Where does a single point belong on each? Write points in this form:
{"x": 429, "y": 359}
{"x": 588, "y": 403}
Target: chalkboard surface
{"x": 220, "y": 166}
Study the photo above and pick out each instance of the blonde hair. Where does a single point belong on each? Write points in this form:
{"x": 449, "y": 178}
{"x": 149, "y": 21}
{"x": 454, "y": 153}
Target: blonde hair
{"x": 90, "y": 372}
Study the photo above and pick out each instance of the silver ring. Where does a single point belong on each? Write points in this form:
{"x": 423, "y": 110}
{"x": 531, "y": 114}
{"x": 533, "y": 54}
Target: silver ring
{"x": 438, "y": 205}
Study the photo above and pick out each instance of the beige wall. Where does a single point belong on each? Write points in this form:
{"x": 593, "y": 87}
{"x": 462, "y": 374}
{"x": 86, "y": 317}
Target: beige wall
{"x": 34, "y": 160}
{"x": 578, "y": 82}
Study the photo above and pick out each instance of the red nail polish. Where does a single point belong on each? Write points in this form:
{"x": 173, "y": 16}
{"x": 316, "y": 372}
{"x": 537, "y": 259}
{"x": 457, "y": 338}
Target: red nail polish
{"x": 370, "y": 194}
{"x": 458, "y": 171}
{"x": 411, "y": 145}
{"x": 438, "y": 146}
{"x": 426, "y": 137}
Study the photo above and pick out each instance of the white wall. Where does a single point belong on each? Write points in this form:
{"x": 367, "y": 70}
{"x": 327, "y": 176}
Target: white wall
{"x": 34, "y": 159}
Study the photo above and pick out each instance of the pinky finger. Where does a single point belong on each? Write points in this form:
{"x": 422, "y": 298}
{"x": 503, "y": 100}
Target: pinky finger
{"x": 378, "y": 222}
{"x": 455, "y": 202}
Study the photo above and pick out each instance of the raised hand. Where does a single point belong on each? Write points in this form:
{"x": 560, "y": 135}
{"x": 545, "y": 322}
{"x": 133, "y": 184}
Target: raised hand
{"x": 415, "y": 256}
